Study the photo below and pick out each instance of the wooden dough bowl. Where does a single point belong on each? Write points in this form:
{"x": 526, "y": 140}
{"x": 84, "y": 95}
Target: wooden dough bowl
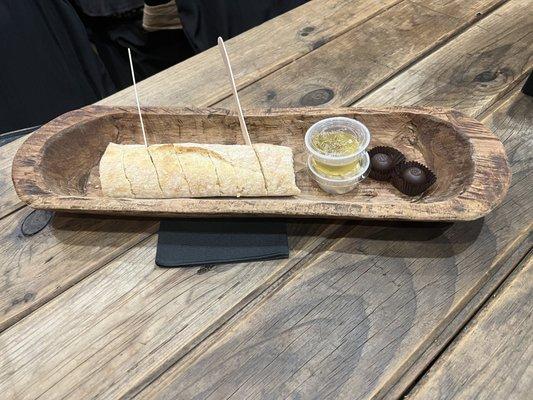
{"x": 57, "y": 167}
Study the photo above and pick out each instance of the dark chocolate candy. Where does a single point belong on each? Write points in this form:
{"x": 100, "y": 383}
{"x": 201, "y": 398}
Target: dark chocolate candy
{"x": 412, "y": 178}
{"x": 381, "y": 162}
{"x": 414, "y": 175}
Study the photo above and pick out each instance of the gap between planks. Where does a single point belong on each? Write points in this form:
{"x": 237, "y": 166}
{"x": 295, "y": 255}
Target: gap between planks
{"x": 394, "y": 387}
{"x": 439, "y": 45}
{"x": 494, "y": 283}
{"x": 386, "y": 78}
{"x": 240, "y": 314}
{"x": 501, "y": 293}
{"x": 258, "y": 31}
{"x": 450, "y": 329}
{"x": 124, "y": 250}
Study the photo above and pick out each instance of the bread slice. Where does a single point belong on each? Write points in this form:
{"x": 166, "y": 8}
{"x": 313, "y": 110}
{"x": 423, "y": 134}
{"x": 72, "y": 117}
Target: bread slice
{"x": 140, "y": 171}
{"x": 169, "y": 171}
{"x": 199, "y": 170}
{"x": 112, "y": 177}
{"x": 277, "y": 167}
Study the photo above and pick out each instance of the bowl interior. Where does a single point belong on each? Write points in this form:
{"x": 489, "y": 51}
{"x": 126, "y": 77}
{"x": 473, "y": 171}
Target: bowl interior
{"x": 70, "y": 159}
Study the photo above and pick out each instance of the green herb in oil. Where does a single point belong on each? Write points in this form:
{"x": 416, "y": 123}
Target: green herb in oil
{"x": 338, "y": 143}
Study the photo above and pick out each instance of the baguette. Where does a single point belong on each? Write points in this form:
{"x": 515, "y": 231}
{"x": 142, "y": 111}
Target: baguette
{"x": 197, "y": 170}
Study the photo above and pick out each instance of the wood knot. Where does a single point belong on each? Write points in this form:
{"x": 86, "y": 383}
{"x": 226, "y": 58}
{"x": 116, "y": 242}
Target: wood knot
{"x": 35, "y": 222}
{"x": 318, "y": 43}
{"x": 485, "y": 76}
{"x": 307, "y": 30}
{"x": 270, "y": 95}
{"x": 317, "y": 97}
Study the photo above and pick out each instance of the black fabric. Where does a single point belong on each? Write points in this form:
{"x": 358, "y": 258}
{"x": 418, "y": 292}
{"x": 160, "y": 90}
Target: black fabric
{"x": 106, "y": 8}
{"x": 194, "y": 242}
{"x": 528, "y": 86}
{"x": 156, "y": 2}
{"x": 151, "y": 51}
{"x": 48, "y": 65}
{"x": 204, "y": 20}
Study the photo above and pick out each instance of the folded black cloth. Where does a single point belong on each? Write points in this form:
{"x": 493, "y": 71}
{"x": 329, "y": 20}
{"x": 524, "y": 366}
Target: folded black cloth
{"x": 194, "y": 242}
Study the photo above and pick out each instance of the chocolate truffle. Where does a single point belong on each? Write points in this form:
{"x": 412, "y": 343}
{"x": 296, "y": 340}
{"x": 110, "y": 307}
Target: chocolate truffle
{"x": 414, "y": 175}
{"x": 383, "y": 160}
{"x": 412, "y": 178}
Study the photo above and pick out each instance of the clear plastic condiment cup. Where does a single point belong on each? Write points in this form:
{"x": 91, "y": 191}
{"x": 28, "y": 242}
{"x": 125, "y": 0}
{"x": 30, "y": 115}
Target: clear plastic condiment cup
{"x": 340, "y": 186}
{"x": 349, "y": 125}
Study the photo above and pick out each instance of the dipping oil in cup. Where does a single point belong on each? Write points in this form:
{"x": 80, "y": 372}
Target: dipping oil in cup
{"x": 337, "y": 153}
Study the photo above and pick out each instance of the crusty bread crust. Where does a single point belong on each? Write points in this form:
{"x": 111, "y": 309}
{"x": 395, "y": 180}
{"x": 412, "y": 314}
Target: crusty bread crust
{"x": 197, "y": 170}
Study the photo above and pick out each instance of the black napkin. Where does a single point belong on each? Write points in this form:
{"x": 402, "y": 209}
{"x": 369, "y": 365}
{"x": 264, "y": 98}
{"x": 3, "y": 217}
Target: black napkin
{"x": 195, "y": 241}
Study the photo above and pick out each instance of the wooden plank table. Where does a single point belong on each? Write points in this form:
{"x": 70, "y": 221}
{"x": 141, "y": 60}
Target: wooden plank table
{"x": 360, "y": 309}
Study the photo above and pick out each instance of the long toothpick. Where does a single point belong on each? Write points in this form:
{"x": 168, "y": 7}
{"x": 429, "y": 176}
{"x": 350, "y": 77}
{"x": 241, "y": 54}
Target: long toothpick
{"x": 225, "y": 57}
{"x": 137, "y": 98}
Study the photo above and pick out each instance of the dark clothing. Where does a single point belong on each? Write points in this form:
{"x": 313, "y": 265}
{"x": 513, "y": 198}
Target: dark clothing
{"x": 204, "y": 20}
{"x": 106, "y": 8}
{"x": 151, "y": 51}
{"x": 48, "y": 64}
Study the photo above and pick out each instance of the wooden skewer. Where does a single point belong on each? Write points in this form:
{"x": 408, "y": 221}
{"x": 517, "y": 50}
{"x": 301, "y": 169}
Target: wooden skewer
{"x": 225, "y": 57}
{"x": 137, "y": 98}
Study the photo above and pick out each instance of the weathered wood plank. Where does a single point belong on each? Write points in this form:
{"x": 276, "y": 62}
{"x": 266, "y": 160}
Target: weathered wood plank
{"x": 405, "y": 380}
{"x": 150, "y": 95}
{"x": 140, "y": 370}
{"x": 122, "y": 332}
{"x": 346, "y": 68}
{"x": 350, "y": 323}
{"x": 36, "y": 268}
{"x": 493, "y": 357}
{"x": 254, "y": 54}
{"x": 130, "y": 317}
{"x": 462, "y": 72}
{"x": 9, "y": 201}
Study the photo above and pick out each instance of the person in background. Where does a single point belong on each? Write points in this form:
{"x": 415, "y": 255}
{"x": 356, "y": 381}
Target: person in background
{"x": 48, "y": 63}
{"x": 204, "y": 20}
{"x": 60, "y": 55}
{"x": 150, "y": 28}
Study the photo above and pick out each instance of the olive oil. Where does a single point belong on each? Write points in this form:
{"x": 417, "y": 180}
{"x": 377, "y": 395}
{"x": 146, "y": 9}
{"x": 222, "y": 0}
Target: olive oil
{"x": 335, "y": 143}
{"x": 337, "y": 171}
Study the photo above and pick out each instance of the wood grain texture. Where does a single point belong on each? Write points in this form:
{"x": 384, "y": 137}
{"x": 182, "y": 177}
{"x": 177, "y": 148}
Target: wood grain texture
{"x": 493, "y": 357}
{"x": 355, "y": 319}
{"x": 512, "y": 117}
{"x": 37, "y": 268}
{"x": 349, "y": 66}
{"x": 130, "y": 320}
{"x": 9, "y": 200}
{"x": 39, "y": 372}
{"x": 463, "y": 71}
{"x": 254, "y": 54}
{"x": 151, "y": 92}
{"x": 469, "y": 161}
{"x": 297, "y": 32}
